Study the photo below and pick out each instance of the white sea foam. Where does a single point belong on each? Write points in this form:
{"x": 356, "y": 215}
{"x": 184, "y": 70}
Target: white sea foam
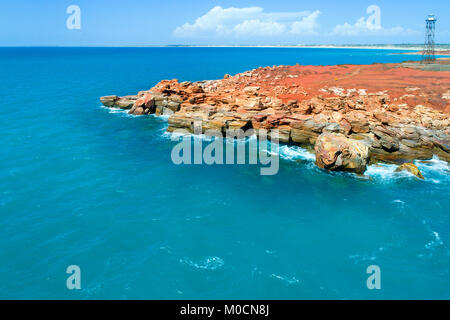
{"x": 385, "y": 171}
{"x": 121, "y": 112}
{"x": 112, "y": 110}
{"x": 182, "y": 133}
{"x": 436, "y": 242}
{"x": 163, "y": 116}
{"x": 124, "y": 112}
{"x": 208, "y": 263}
{"x": 295, "y": 153}
{"x": 169, "y": 135}
{"x": 288, "y": 280}
{"x": 116, "y": 110}
{"x": 399, "y": 203}
{"x": 359, "y": 258}
{"x": 207, "y": 138}
{"x": 374, "y": 254}
{"x": 434, "y": 165}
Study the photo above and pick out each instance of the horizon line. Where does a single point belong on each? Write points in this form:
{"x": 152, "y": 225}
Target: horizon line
{"x": 226, "y": 45}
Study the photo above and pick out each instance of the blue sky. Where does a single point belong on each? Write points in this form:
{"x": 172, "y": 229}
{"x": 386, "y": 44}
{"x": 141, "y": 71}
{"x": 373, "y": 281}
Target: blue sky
{"x": 243, "y": 22}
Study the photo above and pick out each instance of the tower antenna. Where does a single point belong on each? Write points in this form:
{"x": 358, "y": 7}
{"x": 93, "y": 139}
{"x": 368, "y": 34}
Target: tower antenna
{"x": 428, "y": 54}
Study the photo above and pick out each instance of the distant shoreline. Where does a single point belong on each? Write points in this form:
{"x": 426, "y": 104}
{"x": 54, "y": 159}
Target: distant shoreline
{"x": 443, "y": 47}
{"x": 419, "y": 53}
{"x": 414, "y": 47}
{"x": 301, "y": 47}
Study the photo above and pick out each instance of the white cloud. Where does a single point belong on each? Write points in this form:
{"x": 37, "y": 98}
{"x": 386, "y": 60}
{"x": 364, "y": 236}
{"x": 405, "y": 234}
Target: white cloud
{"x": 363, "y": 27}
{"x": 259, "y": 28}
{"x": 308, "y": 25}
{"x": 251, "y": 21}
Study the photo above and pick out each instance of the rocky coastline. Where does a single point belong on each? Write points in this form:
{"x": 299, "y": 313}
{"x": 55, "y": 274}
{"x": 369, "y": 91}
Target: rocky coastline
{"x": 350, "y": 115}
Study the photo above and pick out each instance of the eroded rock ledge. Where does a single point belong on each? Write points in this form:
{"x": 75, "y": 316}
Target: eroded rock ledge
{"x": 397, "y": 113}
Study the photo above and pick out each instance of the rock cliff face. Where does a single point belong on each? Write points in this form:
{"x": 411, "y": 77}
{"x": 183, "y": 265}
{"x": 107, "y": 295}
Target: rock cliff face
{"x": 396, "y": 113}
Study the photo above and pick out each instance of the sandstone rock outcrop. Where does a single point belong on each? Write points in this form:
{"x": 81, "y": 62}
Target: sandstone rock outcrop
{"x": 109, "y": 101}
{"x": 336, "y": 152}
{"x": 397, "y": 113}
{"x": 412, "y": 168}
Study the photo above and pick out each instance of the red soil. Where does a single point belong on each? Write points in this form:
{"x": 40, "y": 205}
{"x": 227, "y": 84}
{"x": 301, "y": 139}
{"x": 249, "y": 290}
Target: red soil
{"x": 410, "y": 86}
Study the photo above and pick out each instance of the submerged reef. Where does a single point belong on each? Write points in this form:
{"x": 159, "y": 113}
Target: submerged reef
{"x": 350, "y": 114}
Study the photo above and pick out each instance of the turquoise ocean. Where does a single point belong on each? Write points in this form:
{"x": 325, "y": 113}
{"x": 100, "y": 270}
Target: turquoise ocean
{"x": 84, "y": 185}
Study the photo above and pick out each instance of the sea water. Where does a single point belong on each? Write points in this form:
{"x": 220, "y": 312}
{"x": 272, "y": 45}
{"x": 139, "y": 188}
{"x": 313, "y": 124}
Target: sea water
{"x": 93, "y": 187}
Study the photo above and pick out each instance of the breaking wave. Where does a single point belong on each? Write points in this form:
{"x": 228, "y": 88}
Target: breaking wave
{"x": 121, "y": 112}
{"x": 434, "y": 165}
{"x": 295, "y": 153}
{"x": 434, "y": 170}
{"x": 385, "y": 171}
{"x": 181, "y": 133}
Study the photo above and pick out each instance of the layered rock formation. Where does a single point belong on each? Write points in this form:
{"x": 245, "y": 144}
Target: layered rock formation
{"x": 336, "y": 152}
{"x": 397, "y": 113}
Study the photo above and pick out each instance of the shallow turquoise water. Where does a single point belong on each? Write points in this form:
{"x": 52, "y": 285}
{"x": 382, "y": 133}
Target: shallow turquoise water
{"x": 83, "y": 185}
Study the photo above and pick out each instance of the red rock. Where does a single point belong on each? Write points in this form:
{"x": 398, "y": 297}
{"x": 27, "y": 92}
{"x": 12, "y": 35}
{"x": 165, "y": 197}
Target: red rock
{"x": 338, "y": 153}
{"x": 308, "y": 100}
{"x": 259, "y": 117}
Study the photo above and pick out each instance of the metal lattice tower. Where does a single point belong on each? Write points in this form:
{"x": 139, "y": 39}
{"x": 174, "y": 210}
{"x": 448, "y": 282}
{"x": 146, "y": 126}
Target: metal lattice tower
{"x": 428, "y": 54}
